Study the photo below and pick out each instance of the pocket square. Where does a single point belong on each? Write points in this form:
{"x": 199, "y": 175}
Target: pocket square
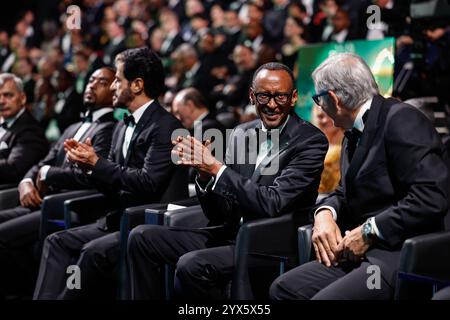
{"x": 3, "y": 145}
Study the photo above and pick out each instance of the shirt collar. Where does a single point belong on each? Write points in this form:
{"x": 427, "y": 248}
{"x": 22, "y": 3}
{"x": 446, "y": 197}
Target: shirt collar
{"x": 202, "y": 116}
{"x": 264, "y": 129}
{"x": 137, "y": 114}
{"x": 11, "y": 121}
{"x": 359, "y": 123}
{"x": 97, "y": 114}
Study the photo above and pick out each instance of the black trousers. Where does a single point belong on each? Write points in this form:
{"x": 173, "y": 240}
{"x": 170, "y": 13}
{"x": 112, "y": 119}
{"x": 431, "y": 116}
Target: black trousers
{"x": 316, "y": 281}
{"x": 93, "y": 250}
{"x": 19, "y": 231}
{"x": 201, "y": 272}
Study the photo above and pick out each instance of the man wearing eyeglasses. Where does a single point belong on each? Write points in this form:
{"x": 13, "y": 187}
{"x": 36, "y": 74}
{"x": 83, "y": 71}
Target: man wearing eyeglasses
{"x": 272, "y": 167}
{"x": 394, "y": 185}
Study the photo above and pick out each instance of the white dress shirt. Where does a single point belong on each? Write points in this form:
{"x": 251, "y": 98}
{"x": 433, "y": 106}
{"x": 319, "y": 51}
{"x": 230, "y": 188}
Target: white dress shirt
{"x": 137, "y": 114}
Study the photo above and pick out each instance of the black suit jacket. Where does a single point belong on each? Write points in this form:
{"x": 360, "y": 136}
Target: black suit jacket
{"x": 243, "y": 191}
{"x": 399, "y": 174}
{"x": 145, "y": 174}
{"x": 22, "y": 146}
{"x": 62, "y": 175}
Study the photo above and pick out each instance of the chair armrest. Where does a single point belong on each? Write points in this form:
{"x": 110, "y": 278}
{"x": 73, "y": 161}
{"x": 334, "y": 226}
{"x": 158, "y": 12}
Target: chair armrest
{"x": 190, "y": 217}
{"x": 52, "y": 209}
{"x": 86, "y": 209}
{"x": 8, "y": 186}
{"x": 9, "y": 198}
{"x": 304, "y": 244}
{"x": 274, "y": 238}
{"x": 425, "y": 260}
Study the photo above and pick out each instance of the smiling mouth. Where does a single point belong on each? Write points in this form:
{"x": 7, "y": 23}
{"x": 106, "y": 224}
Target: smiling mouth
{"x": 269, "y": 112}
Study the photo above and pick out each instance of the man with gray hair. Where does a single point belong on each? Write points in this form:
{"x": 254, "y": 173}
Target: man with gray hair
{"x": 394, "y": 185}
{"x": 22, "y": 140}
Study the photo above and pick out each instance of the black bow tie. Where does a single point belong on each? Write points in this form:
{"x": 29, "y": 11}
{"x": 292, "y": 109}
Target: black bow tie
{"x": 4, "y": 125}
{"x": 87, "y": 117}
{"x": 129, "y": 120}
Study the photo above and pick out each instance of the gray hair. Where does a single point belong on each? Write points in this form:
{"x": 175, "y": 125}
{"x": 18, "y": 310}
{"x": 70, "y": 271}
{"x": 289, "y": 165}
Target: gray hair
{"x": 11, "y": 77}
{"x": 348, "y": 76}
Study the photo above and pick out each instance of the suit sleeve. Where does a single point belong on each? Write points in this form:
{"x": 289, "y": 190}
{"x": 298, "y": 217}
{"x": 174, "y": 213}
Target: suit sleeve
{"x": 30, "y": 146}
{"x": 149, "y": 179}
{"x": 297, "y": 180}
{"x": 418, "y": 163}
{"x": 73, "y": 177}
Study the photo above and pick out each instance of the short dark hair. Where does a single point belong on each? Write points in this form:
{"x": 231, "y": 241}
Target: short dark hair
{"x": 143, "y": 63}
{"x": 274, "y": 66}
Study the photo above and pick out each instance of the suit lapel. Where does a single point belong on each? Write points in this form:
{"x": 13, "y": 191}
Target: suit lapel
{"x": 61, "y": 156}
{"x": 142, "y": 123}
{"x": 365, "y": 143}
{"x": 285, "y": 137}
{"x": 120, "y": 138}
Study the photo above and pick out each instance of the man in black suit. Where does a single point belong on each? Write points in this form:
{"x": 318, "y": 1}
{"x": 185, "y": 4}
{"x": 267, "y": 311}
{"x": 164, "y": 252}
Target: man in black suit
{"x": 20, "y": 226}
{"x": 138, "y": 170}
{"x": 22, "y": 141}
{"x": 395, "y": 185}
{"x": 279, "y": 175}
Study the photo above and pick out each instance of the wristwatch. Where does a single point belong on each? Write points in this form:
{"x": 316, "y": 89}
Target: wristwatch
{"x": 368, "y": 231}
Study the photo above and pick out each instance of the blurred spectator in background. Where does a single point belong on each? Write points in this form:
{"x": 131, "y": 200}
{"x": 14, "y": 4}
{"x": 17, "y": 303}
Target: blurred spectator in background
{"x": 331, "y": 173}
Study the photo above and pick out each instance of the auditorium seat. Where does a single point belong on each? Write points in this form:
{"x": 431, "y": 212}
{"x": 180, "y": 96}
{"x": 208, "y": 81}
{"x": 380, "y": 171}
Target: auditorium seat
{"x": 266, "y": 245}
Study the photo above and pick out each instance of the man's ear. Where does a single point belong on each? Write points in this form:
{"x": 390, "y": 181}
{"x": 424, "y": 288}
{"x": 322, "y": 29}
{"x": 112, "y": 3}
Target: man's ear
{"x": 23, "y": 98}
{"x": 137, "y": 86}
{"x": 294, "y": 97}
{"x": 334, "y": 98}
{"x": 251, "y": 96}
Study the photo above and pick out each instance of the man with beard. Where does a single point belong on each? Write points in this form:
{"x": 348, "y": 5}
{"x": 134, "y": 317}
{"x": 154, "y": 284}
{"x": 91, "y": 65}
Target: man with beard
{"x": 19, "y": 227}
{"x": 138, "y": 170}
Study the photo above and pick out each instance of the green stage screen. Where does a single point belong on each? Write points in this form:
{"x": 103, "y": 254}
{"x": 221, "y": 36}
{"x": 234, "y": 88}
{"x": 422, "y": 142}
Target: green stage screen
{"x": 378, "y": 54}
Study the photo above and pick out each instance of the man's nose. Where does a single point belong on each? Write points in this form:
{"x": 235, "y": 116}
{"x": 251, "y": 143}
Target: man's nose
{"x": 272, "y": 104}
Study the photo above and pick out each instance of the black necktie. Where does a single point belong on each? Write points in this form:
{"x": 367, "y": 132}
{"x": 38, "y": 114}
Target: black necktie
{"x": 353, "y": 137}
{"x": 129, "y": 120}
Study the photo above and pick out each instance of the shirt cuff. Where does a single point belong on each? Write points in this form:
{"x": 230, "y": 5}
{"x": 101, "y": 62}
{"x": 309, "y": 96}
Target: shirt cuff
{"x": 333, "y": 212}
{"x": 27, "y": 180}
{"x": 221, "y": 170}
{"x": 375, "y": 228}
{"x": 43, "y": 172}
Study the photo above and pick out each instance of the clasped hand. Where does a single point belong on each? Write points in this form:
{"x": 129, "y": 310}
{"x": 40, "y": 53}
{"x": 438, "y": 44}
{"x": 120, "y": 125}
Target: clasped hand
{"x": 329, "y": 245}
{"x": 193, "y": 153}
{"x": 83, "y": 154}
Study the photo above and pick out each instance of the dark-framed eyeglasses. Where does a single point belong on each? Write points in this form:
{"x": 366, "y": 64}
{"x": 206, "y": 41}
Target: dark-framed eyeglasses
{"x": 317, "y": 97}
{"x": 280, "y": 98}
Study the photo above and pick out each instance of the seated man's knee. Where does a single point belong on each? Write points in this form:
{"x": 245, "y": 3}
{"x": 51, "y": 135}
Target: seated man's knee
{"x": 145, "y": 234}
{"x": 188, "y": 266}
